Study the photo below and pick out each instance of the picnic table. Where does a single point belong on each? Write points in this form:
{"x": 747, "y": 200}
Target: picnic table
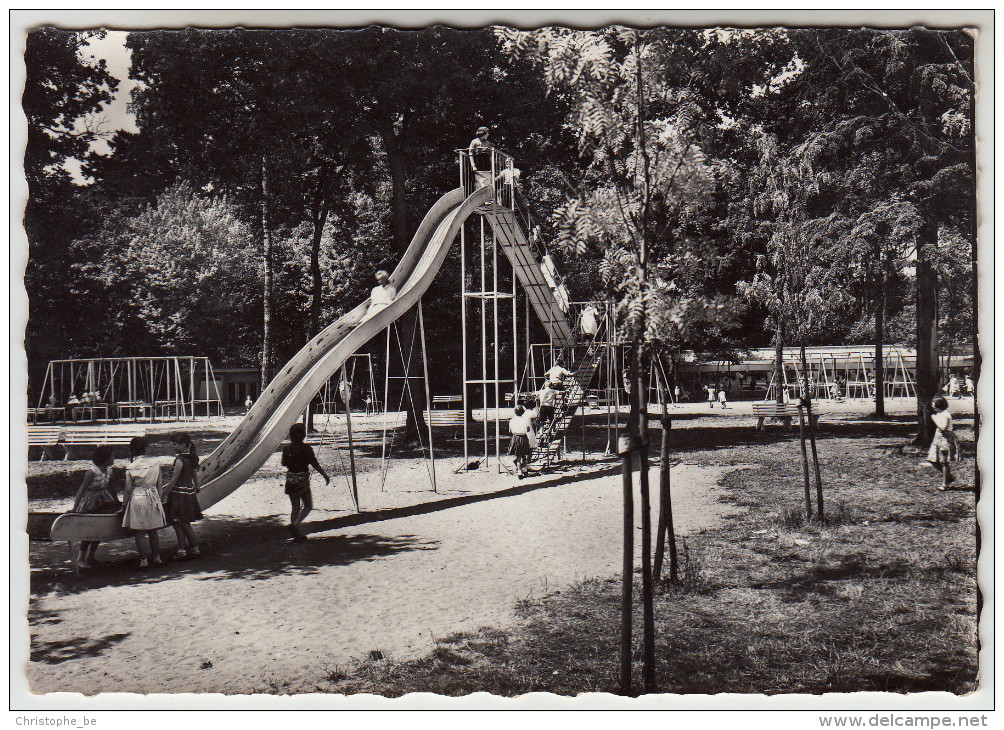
{"x": 91, "y": 409}
{"x": 125, "y": 407}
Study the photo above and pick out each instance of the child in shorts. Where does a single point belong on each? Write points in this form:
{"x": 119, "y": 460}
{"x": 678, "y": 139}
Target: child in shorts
{"x": 298, "y": 457}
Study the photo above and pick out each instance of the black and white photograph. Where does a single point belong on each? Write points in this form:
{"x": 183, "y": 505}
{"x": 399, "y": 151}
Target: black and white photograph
{"x": 634, "y": 360}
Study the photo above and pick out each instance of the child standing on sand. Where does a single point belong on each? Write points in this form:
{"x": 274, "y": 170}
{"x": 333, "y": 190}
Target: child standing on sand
{"x": 944, "y": 446}
{"x": 298, "y": 457}
{"x": 144, "y": 514}
{"x": 180, "y": 496}
{"x": 522, "y": 441}
{"x": 95, "y": 497}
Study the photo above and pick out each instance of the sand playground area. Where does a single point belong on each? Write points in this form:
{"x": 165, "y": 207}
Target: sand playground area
{"x": 260, "y": 613}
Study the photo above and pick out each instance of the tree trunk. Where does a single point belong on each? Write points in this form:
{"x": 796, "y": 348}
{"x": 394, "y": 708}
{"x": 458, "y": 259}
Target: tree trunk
{"x": 820, "y": 515}
{"x": 319, "y": 216}
{"x": 626, "y": 448}
{"x": 399, "y": 202}
{"x": 779, "y": 359}
{"x": 648, "y": 611}
{"x": 665, "y": 531}
{"x": 805, "y": 466}
{"x": 266, "y": 347}
{"x": 927, "y": 330}
{"x": 879, "y": 361}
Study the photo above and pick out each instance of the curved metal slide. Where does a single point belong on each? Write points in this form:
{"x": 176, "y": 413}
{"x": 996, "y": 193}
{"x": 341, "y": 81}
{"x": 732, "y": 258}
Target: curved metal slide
{"x": 267, "y": 423}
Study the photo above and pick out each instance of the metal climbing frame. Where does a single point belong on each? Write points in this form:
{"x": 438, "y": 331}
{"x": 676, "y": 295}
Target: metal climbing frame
{"x": 180, "y": 387}
{"x": 855, "y": 367}
{"x": 490, "y": 307}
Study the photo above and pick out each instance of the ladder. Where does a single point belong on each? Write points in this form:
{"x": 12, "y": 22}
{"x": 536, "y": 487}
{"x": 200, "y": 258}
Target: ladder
{"x": 569, "y": 401}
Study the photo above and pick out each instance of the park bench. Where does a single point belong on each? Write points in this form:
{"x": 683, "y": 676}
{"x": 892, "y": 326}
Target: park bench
{"x": 75, "y": 439}
{"x": 47, "y": 438}
{"x": 783, "y": 411}
{"x": 452, "y": 418}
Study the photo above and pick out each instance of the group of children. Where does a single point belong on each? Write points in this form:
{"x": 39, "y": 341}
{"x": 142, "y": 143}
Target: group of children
{"x": 527, "y": 423}
{"x": 715, "y": 394}
{"x": 148, "y": 503}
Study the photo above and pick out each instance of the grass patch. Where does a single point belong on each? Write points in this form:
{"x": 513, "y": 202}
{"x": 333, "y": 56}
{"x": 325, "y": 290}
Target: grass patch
{"x": 879, "y": 597}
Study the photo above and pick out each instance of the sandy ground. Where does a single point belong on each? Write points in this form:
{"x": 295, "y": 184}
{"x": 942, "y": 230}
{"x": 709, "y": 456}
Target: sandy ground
{"x": 260, "y": 613}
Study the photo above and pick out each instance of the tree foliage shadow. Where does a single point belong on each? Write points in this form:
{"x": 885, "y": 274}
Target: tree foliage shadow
{"x": 252, "y": 548}
{"x": 56, "y": 652}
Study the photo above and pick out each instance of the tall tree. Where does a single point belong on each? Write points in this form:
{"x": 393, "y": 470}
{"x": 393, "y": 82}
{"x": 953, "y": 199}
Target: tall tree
{"x": 64, "y": 94}
{"x": 905, "y": 95}
{"x": 639, "y": 129}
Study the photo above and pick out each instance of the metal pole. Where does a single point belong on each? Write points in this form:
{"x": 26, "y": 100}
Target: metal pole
{"x": 463, "y": 326}
{"x": 386, "y": 409}
{"x": 428, "y": 397}
{"x": 495, "y": 344}
{"x": 484, "y": 347}
{"x": 346, "y": 397}
{"x": 515, "y": 337}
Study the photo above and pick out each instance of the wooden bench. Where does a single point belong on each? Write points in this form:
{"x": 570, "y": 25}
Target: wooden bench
{"x": 783, "y": 411}
{"x": 453, "y": 417}
{"x": 47, "y": 438}
{"x": 74, "y": 439}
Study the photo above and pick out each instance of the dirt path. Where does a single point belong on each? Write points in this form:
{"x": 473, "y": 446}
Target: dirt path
{"x": 259, "y": 613}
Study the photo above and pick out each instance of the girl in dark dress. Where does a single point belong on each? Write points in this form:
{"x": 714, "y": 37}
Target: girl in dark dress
{"x": 298, "y": 457}
{"x": 180, "y": 495}
{"x": 96, "y": 497}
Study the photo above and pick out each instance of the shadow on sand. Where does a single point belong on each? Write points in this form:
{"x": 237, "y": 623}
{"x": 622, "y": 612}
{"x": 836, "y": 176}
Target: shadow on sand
{"x": 55, "y": 652}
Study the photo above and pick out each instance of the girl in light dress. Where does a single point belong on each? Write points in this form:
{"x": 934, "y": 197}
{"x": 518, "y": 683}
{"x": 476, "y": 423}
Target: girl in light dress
{"x": 944, "y": 446}
{"x": 180, "y": 497}
{"x": 95, "y": 497}
{"x": 523, "y": 441}
{"x": 144, "y": 514}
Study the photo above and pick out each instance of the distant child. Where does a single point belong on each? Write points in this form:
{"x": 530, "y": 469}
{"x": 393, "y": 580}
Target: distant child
{"x": 298, "y": 457}
{"x": 722, "y": 399}
{"x": 180, "y": 496}
{"x": 944, "y": 446}
{"x": 711, "y": 396}
{"x": 247, "y": 404}
{"x": 144, "y": 514}
{"x": 522, "y": 440}
{"x": 95, "y": 497}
